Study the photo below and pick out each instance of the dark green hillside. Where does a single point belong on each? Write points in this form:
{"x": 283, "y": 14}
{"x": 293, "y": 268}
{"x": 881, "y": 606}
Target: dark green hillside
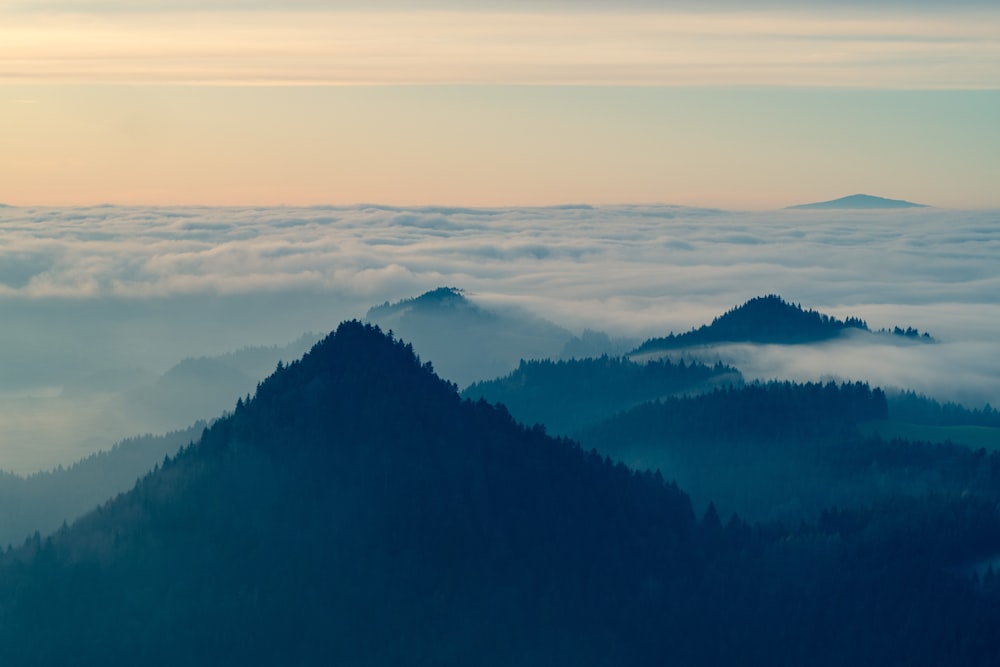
{"x": 567, "y": 396}
{"x": 358, "y": 512}
{"x": 788, "y": 451}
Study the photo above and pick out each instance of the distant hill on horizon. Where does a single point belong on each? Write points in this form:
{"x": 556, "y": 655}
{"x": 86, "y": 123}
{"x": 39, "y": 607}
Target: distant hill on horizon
{"x": 858, "y": 201}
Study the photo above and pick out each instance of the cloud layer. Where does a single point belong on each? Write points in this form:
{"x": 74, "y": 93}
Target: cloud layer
{"x": 654, "y": 257}
{"x": 637, "y": 270}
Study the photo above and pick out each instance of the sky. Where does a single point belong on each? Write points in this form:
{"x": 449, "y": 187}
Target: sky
{"x": 727, "y": 104}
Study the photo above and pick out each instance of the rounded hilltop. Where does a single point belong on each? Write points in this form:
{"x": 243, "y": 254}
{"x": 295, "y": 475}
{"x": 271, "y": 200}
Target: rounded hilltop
{"x": 859, "y": 201}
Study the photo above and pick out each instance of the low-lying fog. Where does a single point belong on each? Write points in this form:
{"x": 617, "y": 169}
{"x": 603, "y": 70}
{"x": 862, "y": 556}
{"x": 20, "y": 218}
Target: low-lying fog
{"x": 966, "y": 372}
{"x": 100, "y": 302}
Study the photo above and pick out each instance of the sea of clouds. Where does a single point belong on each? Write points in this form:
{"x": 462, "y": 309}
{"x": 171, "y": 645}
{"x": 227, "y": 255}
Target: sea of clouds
{"x": 90, "y": 290}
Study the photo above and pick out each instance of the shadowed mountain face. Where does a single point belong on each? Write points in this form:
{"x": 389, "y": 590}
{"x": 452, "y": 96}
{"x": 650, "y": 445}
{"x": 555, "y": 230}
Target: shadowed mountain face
{"x": 858, "y": 201}
{"x": 358, "y": 511}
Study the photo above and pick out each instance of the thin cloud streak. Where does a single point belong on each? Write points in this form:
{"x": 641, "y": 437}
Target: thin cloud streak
{"x": 867, "y": 50}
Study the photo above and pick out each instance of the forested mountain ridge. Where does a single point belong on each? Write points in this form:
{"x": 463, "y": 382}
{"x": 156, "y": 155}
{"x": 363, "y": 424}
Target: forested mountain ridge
{"x": 908, "y": 406}
{"x": 356, "y": 498}
{"x": 358, "y": 511}
{"x": 783, "y": 450}
{"x": 765, "y": 319}
{"x": 566, "y": 396}
{"x": 772, "y": 411}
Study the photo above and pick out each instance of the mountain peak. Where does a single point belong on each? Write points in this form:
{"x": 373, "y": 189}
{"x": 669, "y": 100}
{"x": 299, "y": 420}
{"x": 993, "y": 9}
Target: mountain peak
{"x": 468, "y": 341}
{"x": 859, "y": 201}
{"x": 354, "y": 494}
{"x": 762, "y": 319}
{"x": 356, "y": 355}
{"x": 772, "y": 319}
{"x": 435, "y": 299}
{"x": 443, "y": 294}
